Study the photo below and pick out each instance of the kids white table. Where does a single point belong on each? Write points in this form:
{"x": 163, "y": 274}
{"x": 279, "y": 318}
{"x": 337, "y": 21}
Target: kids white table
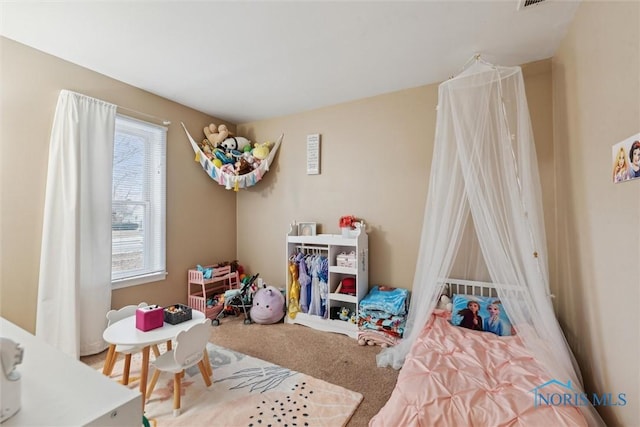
{"x": 124, "y": 332}
{"x": 58, "y": 390}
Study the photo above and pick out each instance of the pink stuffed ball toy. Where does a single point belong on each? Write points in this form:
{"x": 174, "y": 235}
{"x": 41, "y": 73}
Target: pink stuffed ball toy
{"x": 268, "y": 306}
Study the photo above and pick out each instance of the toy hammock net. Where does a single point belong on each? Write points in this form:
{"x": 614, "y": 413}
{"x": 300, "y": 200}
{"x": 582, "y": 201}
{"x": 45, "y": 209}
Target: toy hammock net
{"x": 484, "y": 187}
{"x": 231, "y": 180}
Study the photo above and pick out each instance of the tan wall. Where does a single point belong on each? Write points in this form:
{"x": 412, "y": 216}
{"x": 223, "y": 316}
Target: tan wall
{"x": 596, "y": 86}
{"x": 201, "y": 216}
{"x": 376, "y": 155}
{"x": 375, "y": 162}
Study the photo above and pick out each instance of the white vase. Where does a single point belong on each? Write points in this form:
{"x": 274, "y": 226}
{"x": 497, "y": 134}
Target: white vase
{"x": 346, "y": 231}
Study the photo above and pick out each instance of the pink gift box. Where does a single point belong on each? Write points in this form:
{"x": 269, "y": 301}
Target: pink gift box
{"x": 148, "y": 318}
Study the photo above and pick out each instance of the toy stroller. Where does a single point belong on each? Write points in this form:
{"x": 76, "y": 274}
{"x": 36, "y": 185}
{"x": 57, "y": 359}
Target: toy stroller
{"x": 236, "y": 299}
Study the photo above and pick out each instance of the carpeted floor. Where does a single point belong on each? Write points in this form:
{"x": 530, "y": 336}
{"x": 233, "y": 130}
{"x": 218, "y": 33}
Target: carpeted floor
{"x": 246, "y": 391}
{"x": 334, "y": 358}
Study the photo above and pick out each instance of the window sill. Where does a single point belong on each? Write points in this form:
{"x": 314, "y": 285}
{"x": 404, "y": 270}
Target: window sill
{"x": 138, "y": 280}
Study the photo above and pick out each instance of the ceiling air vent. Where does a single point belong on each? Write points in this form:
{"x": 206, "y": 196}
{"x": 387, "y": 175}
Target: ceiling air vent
{"x": 528, "y": 3}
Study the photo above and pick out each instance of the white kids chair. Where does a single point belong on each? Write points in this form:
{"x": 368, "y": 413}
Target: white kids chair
{"x": 112, "y": 354}
{"x": 188, "y": 351}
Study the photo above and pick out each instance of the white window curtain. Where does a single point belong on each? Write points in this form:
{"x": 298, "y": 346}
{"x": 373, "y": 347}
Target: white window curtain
{"x": 74, "y": 289}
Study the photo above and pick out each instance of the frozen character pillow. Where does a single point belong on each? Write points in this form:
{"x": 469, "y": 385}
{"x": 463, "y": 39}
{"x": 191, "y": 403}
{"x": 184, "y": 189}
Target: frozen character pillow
{"x": 480, "y": 314}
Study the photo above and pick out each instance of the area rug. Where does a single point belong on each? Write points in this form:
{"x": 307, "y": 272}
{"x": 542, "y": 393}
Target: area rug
{"x": 246, "y": 391}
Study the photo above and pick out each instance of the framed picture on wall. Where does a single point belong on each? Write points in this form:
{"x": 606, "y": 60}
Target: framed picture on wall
{"x": 626, "y": 159}
{"x": 307, "y": 228}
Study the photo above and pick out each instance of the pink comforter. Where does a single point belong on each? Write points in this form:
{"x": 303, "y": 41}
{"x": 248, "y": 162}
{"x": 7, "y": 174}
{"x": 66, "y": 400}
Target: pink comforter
{"x": 457, "y": 377}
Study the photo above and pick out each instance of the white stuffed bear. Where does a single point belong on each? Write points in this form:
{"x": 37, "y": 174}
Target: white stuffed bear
{"x": 445, "y": 303}
{"x": 236, "y": 143}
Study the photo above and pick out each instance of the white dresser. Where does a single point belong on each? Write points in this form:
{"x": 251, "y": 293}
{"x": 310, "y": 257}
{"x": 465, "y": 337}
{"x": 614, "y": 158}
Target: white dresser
{"x": 58, "y": 390}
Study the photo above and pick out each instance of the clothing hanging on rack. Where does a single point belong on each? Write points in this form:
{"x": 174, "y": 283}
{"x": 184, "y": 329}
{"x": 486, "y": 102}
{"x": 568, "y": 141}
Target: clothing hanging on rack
{"x": 311, "y": 280}
{"x": 305, "y": 282}
{"x": 294, "y": 291}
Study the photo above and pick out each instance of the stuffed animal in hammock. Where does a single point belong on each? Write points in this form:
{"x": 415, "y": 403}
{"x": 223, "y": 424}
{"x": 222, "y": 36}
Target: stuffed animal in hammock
{"x": 216, "y": 134}
{"x": 236, "y": 143}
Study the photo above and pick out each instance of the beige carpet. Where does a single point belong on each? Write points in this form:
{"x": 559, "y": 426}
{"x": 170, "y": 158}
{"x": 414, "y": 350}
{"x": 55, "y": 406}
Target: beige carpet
{"x": 247, "y": 391}
{"x": 334, "y": 358}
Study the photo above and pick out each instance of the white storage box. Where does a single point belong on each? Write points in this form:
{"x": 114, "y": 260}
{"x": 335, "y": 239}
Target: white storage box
{"x": 346, "y": 260}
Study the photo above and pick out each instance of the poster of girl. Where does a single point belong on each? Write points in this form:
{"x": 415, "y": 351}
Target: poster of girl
{"x": 626, "y": 159}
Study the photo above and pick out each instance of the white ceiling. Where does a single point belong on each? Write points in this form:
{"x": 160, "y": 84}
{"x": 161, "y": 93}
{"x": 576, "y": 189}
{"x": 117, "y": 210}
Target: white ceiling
{"x": 249, "y": 60}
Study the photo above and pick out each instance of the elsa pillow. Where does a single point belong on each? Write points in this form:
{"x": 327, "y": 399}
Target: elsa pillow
{"x": 480, "y": 314}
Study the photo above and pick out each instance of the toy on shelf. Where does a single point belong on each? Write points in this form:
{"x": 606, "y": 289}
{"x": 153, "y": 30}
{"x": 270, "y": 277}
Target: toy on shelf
{"x": 215, "y": 301}
{"x": 177, "y": 313}
{"x": 206, "y": 272}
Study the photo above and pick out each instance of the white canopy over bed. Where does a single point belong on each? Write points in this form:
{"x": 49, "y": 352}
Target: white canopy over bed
{"x": 484, "y": 173}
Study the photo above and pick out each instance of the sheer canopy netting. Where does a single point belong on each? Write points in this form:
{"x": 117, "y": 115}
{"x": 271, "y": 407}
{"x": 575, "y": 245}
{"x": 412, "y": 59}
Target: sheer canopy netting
{"x": 485, "y": 170}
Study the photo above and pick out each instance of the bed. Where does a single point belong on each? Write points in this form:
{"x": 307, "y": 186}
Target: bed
{"x": 454, "y": 376}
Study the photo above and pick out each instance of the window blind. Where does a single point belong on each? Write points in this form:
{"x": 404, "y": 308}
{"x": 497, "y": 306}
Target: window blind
{"x": 138, "y": 202}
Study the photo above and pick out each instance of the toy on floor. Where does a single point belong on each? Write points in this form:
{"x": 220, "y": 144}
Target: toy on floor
{"x": 377, "y": 338}
{"x": 268, "y": 305}
{"x": 237, "y": 301}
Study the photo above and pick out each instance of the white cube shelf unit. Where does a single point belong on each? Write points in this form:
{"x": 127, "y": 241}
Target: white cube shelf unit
{"x": 332, "y": 245}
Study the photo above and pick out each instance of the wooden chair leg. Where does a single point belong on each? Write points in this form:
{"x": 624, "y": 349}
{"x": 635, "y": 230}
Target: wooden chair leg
{"x": 127, "y": 366}
{"x": 144, "y": 373}
{"x": 205, "y": 374}
{"x": 156, "y": 350}
{"x": 108, "y": 366}
{"x": 152, "y": 385}
{"x": 207, "y": 363}
{"x": 176, "y": 393}
{"x": 112, "y": 364}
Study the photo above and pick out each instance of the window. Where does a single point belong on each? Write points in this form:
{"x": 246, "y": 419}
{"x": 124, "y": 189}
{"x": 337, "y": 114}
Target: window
{"x": 138, "y": 203}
